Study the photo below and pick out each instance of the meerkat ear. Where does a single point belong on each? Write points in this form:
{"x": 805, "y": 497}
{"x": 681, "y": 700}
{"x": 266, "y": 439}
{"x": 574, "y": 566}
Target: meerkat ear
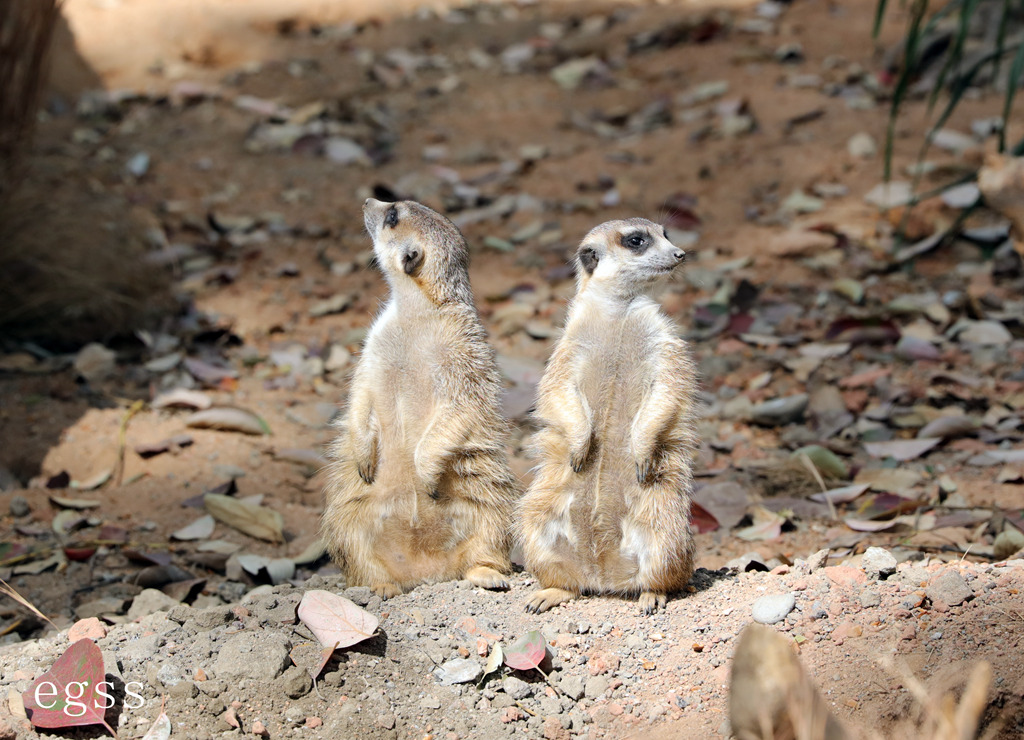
{"x": 588, "y": 259}
{"x": 412, "y": 260}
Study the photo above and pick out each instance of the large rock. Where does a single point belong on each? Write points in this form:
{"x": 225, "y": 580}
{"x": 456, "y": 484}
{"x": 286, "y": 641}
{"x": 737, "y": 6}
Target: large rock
{"x": 150, "y": 601}
{"x": 262, "y": 656}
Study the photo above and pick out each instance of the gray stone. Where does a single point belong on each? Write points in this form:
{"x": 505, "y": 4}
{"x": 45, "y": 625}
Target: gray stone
{"x": 295, "y": 682}
{"x": 773, "y": 608}
{"x": 19, "y": 506}
{"x": 430, "y": 702}
{"x": 1007, "y": 543}
{"x": 817, "y": 560}
{"x": 180, "y": 614}
{"x": 780, "y": 411}
{"x": 212, "y": 687}
{"x": 595, "y": 687}
{"x": 204, "y": 620}
{"x": 949, "y": 588}
{"x": 870, "y": 598}
{"x": 262, "y": 656}
{"x": 183, "y": 689}
{"x": 168, "y": 675}
{"x": 516, "y": 688}
{"x": 150, "y": 601}
{"x": 359, "y": 595}
{"x": 99, "y": 607}
{"x": 572, "y": 686}
{"x": 878, "y": 563}
{"x": 277, "y": 608}
{"x": 140, "y": 649}
{"x": 459, "y": 670}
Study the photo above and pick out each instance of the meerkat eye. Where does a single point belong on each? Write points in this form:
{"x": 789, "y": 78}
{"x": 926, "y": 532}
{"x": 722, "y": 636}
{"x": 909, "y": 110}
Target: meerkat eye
{"x": 391, "y": 217}
{"x": 636, "y": 242}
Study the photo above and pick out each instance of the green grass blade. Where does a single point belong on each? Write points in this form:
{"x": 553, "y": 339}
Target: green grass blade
{"x": 960, "y": 86}
{"x": 1001, "y": 38}
{"x": 1013, "y": 81}
{"x": 913, "y": 39}
{"x": 879, "y": 14}
{"x": 956, "y": 52}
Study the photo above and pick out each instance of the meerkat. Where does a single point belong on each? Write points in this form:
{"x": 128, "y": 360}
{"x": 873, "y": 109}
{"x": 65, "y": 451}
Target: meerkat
{"x": 419, "y": 488}
{"x": 608, "y": 510}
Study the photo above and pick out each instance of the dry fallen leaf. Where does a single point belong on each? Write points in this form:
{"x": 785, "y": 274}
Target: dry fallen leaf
{"x": 840, "y": 495}
{"x": 200, "y": 529}
{"x": 901, "y": 449}
{"x": 334, "y": 620}
{"x": 256, "y": 521}
{"x": 182, "y": 398}
{"x": 229, "y": 419}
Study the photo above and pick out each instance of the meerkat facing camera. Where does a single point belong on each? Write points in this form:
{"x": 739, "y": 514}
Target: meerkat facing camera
{"x": 608, "y": 510}
{"x": 420, "y": 489}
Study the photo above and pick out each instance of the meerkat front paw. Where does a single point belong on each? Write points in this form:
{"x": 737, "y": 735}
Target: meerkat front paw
{"x": 645, "y": 470}
{"x": 386, "y": 590}
{"x": 546, "y": 598}
{"x": 366, "y": 462}
{"x": 650, "y": 602}
{"x": 486, "y": 577}
{"x": 578, "y": 455}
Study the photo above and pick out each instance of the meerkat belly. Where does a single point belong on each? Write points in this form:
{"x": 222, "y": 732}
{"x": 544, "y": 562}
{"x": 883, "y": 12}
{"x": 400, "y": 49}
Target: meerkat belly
{"x": 415, "y": 534}
{"x": 615, "y": 390}
{"x": 404, "y": 405}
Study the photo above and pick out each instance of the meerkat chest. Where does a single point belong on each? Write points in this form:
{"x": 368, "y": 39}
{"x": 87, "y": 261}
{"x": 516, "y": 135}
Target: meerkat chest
{"x": 405, "y": 353}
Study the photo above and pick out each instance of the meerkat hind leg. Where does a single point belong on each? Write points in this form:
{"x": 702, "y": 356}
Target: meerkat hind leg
{"x": 546, "y": 598}
{"x": 650, "y": 602}
{"x": 486, "y": 577}
{"x": 386, "y": 590}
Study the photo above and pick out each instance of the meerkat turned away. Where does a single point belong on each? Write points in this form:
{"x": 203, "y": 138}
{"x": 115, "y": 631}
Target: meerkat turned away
{"x": 771, "y": 697}
{"x": 419, "y": 489}
{"x": 608, "y": 511}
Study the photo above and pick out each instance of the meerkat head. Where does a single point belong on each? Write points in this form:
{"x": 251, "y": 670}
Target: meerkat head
{"x": 416, "y": 246}
{"x": 627, "y": 258}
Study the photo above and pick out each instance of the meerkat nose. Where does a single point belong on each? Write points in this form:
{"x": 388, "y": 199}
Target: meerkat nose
{"x": 679, "y": 254}
{"x": 372, "y": 203}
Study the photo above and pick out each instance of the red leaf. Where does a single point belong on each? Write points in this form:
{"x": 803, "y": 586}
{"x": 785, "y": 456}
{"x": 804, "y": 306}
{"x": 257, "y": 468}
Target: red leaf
{"x": 679, "y": 211}
{"x": 862, "y": 330}
{"x": 527, "y": 652}
{"x": 71, "y": 693}
{"x": 702, "y": 519}
{"x": 79, "y": 553}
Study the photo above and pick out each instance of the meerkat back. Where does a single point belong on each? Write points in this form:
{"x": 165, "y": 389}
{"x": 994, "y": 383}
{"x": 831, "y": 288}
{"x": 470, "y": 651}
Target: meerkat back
{"x": 419, "y": 488}
{"x": 608, "y": 510}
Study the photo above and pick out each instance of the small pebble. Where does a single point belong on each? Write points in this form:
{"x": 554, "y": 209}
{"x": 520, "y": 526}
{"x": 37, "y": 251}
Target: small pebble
{"x": 773, "y": 608}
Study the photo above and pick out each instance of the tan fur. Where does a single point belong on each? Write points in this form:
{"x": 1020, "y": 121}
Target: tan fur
{"x": 771, "y": 697}
{"x": 608, "y": 511}
{"x": 419, "y": 489}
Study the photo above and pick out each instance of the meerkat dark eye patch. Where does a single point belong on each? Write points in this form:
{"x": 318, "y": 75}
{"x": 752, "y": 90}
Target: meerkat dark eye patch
{"x": 391, "y": 217}
{"x": 636, "y": 241}
{"x": 588, "y": 259}
{"x": 412, "y": 260}
{"x": 664, "y": 232}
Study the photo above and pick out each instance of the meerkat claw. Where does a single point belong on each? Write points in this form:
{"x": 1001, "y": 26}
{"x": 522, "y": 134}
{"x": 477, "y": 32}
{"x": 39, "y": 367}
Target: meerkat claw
{"x": 365, "y": 475}
{"x": 650, "y": 602}
{"x": 546, "y": 598}
{"x": 386, "y": 590}
{"x": 486, "y": 577}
